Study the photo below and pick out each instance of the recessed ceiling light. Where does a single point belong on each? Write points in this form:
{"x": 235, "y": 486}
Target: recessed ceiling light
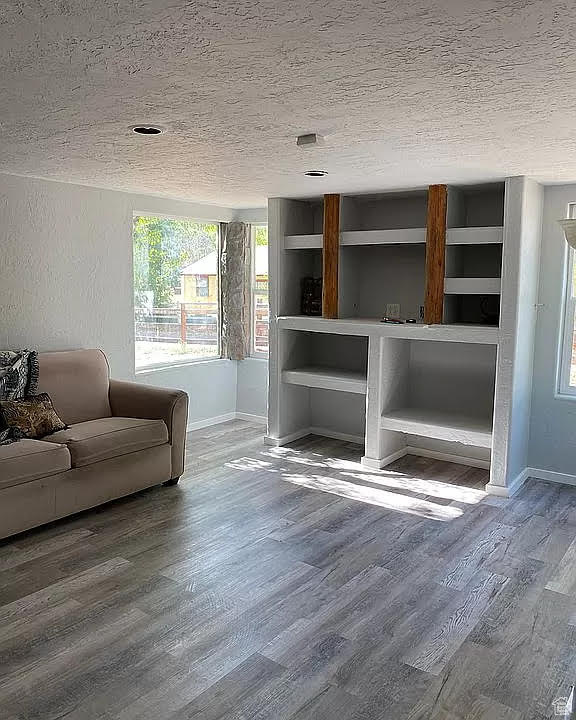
{"x": 147, "y": 130}
{"x": 315, "y": 173}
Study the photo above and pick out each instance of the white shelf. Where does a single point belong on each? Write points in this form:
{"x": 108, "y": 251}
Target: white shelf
{"x": 439, "y": 425}
{"x": 474, "y": 235}
{"x": 409, "y": 236}
{"x": 370, "y": 327}
{"x": 472, "y": 286}
{"x": 326, "y": 379}
{"x": 302, "y": 242}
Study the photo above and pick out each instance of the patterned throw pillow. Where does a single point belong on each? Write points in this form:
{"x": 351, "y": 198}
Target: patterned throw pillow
{"x": 19, "y": 371}
{"x": 31, "y": 417}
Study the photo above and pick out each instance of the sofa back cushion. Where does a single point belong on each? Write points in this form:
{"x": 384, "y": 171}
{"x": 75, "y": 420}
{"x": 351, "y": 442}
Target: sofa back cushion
{"x": 77, "y": 382}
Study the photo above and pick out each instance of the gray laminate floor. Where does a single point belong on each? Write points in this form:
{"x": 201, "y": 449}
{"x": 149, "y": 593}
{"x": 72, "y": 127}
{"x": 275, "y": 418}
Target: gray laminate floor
{"x": 292, "y": 584}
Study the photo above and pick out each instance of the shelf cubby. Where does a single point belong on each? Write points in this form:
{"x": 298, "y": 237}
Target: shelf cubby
{"x": 326, "y": 374}
{"x": 446, "y": 392}
{"x": 472, "y": 309}
{"x": 373, "y": 276}
{"x": 476, "y": 206}
{"x": 473, "y": 269}
{"x": 326, "y": 361}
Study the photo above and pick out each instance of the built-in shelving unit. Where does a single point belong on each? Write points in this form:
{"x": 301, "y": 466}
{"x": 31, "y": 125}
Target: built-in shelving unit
{"x": 439, "y": 387}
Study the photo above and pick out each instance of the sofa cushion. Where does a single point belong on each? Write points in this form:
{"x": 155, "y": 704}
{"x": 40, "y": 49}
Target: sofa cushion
{"x": 27, "y": 460}
{"x": 77, "y": 381}
{"x": 95, "y": 440}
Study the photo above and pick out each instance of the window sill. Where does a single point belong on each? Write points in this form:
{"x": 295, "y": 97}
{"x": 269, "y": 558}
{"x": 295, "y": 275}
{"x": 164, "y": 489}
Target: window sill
{"x": 181, "y": 364}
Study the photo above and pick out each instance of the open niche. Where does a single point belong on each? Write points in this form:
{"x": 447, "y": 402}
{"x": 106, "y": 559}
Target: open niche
{"x": 383, "y": 255}
{"x": 302, "y": 256}
{"x": 333, "y": 368}
{"x": 326, "y": 361}
{"x": 445, "y": 391}
{"x": 474, "y": 255}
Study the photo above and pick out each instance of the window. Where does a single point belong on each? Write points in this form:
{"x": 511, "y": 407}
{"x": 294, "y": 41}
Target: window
{"x": 567, "y": 369}
{"x": 202, "y": 286}
{"x": 260, "y": 307}
{"x": 175, "y": 290}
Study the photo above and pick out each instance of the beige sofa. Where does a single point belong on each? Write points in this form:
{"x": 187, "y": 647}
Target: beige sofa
{"x": 122, "y": 437}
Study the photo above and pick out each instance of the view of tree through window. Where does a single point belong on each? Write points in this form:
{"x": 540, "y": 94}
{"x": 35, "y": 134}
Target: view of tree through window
{"x": 175, "y": 290}
{"x": 260, "y": 307}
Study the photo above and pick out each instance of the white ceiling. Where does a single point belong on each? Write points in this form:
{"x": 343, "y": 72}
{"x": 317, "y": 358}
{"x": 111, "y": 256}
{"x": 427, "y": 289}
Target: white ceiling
{"x": 406, "y": 93}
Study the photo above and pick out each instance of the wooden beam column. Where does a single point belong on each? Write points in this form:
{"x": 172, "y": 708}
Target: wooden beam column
{"x": 435, "y": 254}
{"x": 330, "y": 256}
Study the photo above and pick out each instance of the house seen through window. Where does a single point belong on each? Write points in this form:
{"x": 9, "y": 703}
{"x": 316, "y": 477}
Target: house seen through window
{"x": 176, "y": 297}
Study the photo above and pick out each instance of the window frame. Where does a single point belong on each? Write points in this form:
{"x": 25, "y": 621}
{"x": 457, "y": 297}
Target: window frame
{"x": 567, "y": 321}
{"x": 254, "y": 353}
{"x": 177, "y": 362}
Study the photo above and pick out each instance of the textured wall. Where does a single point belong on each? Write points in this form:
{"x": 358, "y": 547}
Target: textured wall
{"x": 406, "y": 93}
{"x": 66, "y": 280}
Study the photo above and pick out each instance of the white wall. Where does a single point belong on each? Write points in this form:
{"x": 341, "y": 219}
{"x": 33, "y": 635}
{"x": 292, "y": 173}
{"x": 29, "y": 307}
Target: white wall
{"x": 553, "y": 419}
{"x": 252, "y": 387}
{"x": 211, "y": 387}
{"x": 66, "y": 280}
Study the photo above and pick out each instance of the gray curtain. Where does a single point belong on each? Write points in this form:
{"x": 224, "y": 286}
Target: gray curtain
{"x": 235, "y": 283}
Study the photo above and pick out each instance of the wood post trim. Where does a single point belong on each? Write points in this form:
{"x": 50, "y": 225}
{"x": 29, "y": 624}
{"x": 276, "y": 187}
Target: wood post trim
{"x": 330, "y": 256}
{"x": 435, "y": 254}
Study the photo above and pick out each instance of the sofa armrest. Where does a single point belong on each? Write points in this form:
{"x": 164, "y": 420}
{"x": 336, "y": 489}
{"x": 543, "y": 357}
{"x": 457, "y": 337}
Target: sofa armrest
{"x": 129, "y": 399}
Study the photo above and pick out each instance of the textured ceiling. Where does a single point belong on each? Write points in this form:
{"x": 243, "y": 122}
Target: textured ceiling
{"x": 406, "y": 93}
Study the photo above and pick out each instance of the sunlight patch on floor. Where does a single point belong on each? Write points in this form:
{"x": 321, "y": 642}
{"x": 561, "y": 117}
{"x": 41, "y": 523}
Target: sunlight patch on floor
{"x": 431, "y": 488}
{"x": 375, "y": 496}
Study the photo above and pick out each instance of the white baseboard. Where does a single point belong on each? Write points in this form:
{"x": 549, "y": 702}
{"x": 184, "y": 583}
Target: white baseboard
{"x": 258, "y": 419}
{"x": 378, "y": 464}
{"x": 199, "y": 424}
{"x": 551, "y": 476}
{"x": 323, "y": 432}
{"x": 278, "y": 442}
{"x": 530, "y": 472}
{"x": 448, "y": 457}
{"x": 507, "y": 491}
{"x": 356, "y": 439}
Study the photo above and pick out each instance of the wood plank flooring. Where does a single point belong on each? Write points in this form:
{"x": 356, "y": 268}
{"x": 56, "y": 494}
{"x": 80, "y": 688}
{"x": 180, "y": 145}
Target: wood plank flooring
{"x": 294, "y": 584}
